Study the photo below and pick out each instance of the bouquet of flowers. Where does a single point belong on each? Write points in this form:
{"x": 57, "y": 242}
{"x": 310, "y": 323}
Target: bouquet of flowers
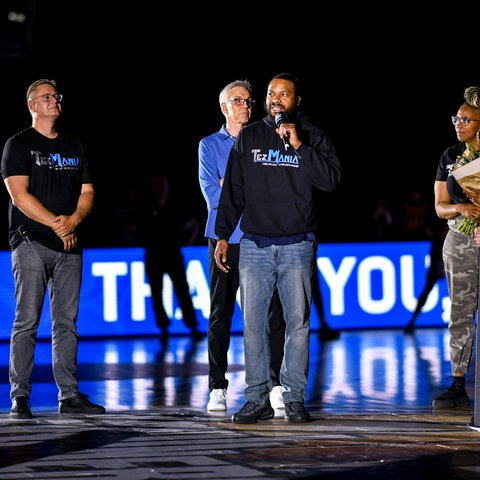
{"x": 467, "y": 173}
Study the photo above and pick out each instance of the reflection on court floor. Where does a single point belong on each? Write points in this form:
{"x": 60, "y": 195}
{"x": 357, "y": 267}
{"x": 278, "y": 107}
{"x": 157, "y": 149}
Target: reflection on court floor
{"x": 380, "y": 370}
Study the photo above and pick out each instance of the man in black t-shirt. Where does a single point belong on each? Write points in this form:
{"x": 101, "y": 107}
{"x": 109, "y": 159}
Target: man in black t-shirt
{"x": 47, "y": 176}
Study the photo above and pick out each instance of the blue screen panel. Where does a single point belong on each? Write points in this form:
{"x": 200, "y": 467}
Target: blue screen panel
{"x": 364, "y": 285}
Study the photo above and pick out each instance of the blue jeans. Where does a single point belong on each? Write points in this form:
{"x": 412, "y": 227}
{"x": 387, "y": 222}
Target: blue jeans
{"x": 289, "y": 268}
{"x": 34, "y": 268}
{"x": 223, "y": 294}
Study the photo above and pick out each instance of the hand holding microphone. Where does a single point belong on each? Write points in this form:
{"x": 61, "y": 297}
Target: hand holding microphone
{"x": 290, "y": 135}
{"x": 281, "y": 118}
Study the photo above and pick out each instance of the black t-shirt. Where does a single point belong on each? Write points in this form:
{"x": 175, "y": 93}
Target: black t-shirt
{"x": 444, "y": 172}
{"x": 57, "y": 169}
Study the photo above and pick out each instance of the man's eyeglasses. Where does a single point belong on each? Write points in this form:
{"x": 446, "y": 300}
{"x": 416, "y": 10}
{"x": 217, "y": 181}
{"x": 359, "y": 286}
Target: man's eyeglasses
{"x": 463, "y": 120}
{"x": 239, "y": 101}
{"x": 48, "y": 97}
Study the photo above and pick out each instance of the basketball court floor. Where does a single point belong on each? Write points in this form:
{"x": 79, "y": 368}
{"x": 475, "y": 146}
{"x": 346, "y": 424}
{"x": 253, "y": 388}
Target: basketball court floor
{"x": 370, "y": 396}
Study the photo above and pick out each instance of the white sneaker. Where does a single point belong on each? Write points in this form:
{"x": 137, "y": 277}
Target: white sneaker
{"x": 218, "y": 400}
{"x": 276, "y": 397}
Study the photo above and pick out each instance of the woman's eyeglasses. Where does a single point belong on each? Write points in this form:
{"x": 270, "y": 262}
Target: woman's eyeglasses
{"x": 463, "y": 120}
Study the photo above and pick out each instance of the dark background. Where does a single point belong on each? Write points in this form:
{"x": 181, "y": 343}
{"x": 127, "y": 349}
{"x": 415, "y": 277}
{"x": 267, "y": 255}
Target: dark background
{"x": 141, "y": 84}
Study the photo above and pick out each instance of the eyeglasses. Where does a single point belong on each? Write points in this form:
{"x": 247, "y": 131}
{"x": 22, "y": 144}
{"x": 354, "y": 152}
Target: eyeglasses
{"x": 239, "y": 101}
{"x": 463, "y": 120}
{"x": 48, "y": 97}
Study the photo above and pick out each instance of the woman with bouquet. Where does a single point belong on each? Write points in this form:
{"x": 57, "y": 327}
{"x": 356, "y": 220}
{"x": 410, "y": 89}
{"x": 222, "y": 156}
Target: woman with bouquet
{"x": 461, "y": 207}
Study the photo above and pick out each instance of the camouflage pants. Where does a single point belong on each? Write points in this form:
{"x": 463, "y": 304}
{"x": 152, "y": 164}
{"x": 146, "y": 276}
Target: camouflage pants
{"x": 461, "y": 256}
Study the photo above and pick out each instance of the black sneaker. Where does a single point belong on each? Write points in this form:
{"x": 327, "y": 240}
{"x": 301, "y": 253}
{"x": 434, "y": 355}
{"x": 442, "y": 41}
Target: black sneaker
{"x": 21, "y": 408}
{"x": 251, "y": 412}
{"x": 296, "y": 412}
{"x": 79, "y": 404}
{"x": 455, "y": 396}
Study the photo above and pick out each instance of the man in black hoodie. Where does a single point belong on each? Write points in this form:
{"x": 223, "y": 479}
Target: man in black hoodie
{"x": 273, "y": 170}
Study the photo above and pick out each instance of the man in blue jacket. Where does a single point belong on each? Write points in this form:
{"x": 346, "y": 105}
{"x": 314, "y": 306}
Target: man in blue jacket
{"x": 236, "y": 104}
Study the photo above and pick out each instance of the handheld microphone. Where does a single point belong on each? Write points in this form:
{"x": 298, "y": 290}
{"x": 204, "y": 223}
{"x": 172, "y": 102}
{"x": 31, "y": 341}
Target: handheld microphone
{"x": 280, "y": 118}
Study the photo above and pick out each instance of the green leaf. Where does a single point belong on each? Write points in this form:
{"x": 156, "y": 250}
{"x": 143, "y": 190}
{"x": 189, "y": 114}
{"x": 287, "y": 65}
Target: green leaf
{"x": 467, "y": 226}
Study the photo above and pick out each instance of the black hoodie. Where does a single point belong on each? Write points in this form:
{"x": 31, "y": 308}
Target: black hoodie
{"x": 273, "y": 186}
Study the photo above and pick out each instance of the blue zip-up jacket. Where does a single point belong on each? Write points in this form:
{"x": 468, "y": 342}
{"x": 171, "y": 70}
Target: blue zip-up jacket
{"x": 213, "y": 152}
